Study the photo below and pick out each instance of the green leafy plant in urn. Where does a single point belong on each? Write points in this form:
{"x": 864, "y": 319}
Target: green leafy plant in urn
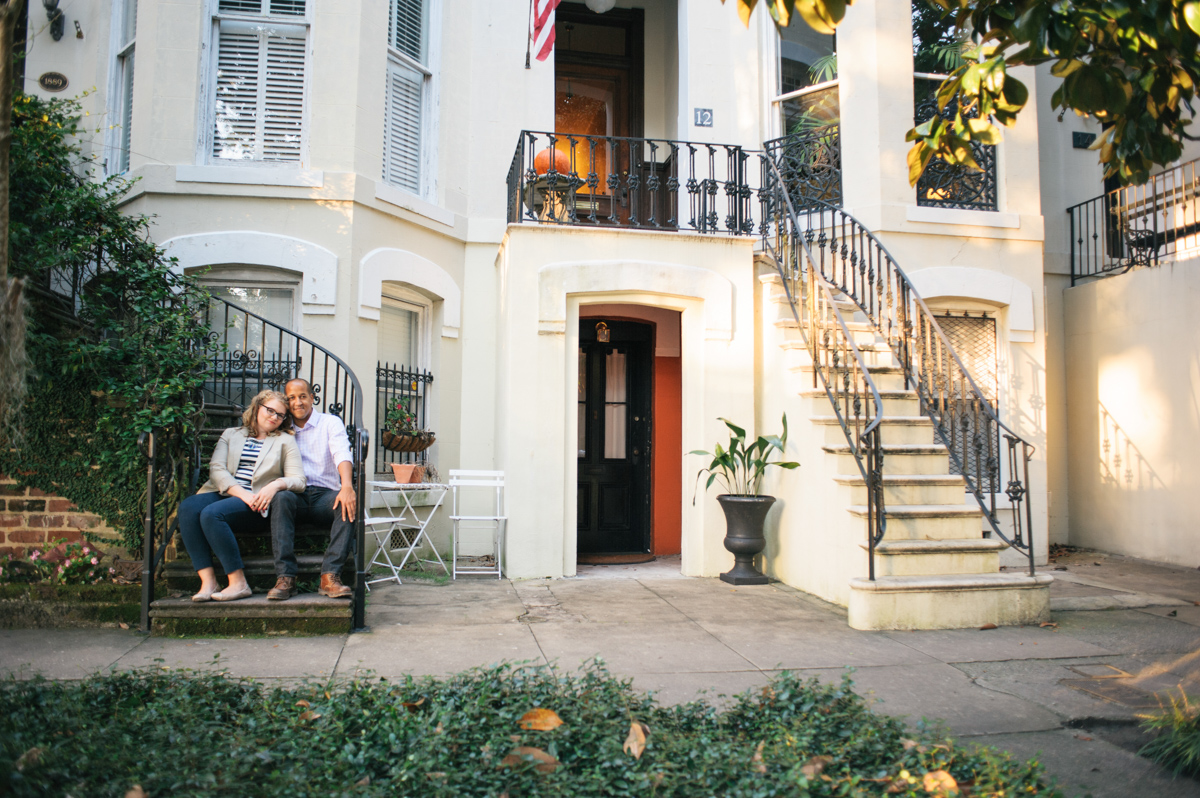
{"x": 739, "y": 467}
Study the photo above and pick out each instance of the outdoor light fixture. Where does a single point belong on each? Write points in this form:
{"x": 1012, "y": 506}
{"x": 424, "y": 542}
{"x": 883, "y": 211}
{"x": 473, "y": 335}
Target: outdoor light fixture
{"x": 57, "y": 21}
{"x": 602, "y": 333}
{"x": 600, "y": 6}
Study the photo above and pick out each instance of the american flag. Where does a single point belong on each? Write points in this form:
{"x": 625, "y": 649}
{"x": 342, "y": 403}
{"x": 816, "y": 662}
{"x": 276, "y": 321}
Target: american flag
{"x": 542, "y": 35}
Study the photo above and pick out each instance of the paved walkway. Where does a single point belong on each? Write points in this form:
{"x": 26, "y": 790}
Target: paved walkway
{"x": 1010, "y": 688}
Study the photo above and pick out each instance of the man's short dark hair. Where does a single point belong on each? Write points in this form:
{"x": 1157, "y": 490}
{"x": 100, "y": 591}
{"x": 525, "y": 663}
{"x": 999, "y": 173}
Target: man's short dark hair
{"x": 307, "y": 384}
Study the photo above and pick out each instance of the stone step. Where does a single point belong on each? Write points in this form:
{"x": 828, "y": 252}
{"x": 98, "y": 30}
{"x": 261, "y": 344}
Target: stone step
{"x": 898, "y": 458}
{"x": 260, "y": 571}
{"x": 892, "y": 429}
{"x": 934, "y": 557}
{"x": 949, "y": 602}
{"x": 899, "y": 403}
{"x": 306, "y": 614}
{"x": 874, "y": 353}
{"x": 928, "y": 521}
{"x": 900, "y": 489}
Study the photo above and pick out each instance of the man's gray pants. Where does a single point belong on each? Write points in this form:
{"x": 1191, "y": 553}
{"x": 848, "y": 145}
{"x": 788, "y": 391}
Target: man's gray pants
{"x": 313, "y": 506}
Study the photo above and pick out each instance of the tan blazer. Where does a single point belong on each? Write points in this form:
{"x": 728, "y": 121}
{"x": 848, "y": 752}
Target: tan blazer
{"x": 280, "y": 457}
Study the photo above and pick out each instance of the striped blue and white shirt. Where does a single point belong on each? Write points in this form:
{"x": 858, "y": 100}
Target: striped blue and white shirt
{"x": 245, "y": 470}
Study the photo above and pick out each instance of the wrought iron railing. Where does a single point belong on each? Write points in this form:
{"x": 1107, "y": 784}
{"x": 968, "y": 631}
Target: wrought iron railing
{"x": 393, "y": 383}
{"x": 1137, "y": 225}
{"x": 854, "y": 261}
{"x": 947, "y": 185}
{"x": 649, "y": 184}
{"x": 810, "y": 161}
{"x": 244, "y": 354}
{"x": 836, "y": 359}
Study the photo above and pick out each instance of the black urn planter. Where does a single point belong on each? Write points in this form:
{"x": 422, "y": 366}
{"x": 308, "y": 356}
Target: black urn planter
{"x": 744, "y": 517}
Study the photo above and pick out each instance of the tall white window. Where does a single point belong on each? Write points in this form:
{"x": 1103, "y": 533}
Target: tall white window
{"x": 121, "y": 104}
{"x": 258, "y": 76}
{"x": 408, "y": 94}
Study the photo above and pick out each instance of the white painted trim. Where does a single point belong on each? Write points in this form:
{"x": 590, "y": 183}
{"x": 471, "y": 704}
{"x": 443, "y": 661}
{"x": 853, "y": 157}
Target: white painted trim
{"x": 600, "y": 277}
{"x": 256, "y": 175}
{"x": 401, "y": 266}
{"x": 919, "y": 213}
{"x": 385, "y": 192}
{"x": 982, "y": 284}
{"x": 251, "y": 248}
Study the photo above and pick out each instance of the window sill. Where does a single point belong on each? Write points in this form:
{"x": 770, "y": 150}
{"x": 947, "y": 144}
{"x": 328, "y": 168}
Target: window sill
{"x": 411, "y": 202}
{"x": 918, "y": 213}
{"x": 251, "y": 176}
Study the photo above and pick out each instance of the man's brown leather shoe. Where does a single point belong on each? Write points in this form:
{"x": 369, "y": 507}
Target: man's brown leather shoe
{"x": 331, "y": 585}
{"x": 285, "y": 588}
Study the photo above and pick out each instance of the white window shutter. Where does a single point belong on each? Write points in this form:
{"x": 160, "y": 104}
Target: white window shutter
{"x": 235, "y": 134}
{"x": 126, "y": 110}
{"x": 402, "y": 127}
{"x": 284, "y": 98}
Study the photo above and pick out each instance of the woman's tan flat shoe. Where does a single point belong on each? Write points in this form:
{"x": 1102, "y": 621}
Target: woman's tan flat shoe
{"x": 204, "y": 596}
{"x": 224, "y": 595}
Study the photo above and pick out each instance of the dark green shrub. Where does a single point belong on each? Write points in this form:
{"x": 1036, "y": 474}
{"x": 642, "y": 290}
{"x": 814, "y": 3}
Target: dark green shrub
{"x": 198, "y": 735}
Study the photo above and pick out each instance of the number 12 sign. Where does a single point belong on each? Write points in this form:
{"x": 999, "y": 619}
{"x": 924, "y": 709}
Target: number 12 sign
{"x": 704, "y": 117}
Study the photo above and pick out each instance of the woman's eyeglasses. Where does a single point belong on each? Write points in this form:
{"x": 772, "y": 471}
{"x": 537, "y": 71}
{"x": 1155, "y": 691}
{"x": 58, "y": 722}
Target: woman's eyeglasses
{"x": 275, "y": 413}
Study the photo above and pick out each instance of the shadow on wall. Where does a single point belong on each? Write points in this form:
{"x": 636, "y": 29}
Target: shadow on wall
{"x": 1122, "y": 465}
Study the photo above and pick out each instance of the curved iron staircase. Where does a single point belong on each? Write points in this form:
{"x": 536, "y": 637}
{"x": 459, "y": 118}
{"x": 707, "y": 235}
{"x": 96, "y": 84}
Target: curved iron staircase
{"x": 245, "y": 353}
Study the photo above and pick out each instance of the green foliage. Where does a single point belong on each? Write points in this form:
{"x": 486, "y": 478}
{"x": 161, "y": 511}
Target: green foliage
{"x": 1177, "y": 745}
{"x": 196, "y": 735}
{"x": 121, "y": 361}
{"x": 403, "y": 421}
{"x": 937, "y": 44}
{"x": 64, "y": 564}
{"x": 739, "y": 467}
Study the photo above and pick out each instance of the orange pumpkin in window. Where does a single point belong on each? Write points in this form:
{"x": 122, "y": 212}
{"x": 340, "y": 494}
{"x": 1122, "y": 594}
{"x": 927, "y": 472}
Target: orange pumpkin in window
{"x": 562, "y": 161}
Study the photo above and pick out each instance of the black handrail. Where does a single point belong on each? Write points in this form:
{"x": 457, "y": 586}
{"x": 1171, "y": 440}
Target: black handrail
{"x": 1135, "y": 225}
{"x": 837, "y": 360}
{"x": 623, "y": 182}
{"x": 246, "y": 353}
{"x": 855, "y": 262}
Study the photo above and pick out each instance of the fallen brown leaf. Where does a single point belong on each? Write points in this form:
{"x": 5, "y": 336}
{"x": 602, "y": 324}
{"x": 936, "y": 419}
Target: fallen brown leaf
{"x": 1048, "y": 625}
{"x": 908, "y": 744}
{"x": 538, "y": 719}
{"x": 365, "y": 781}
{"x": 439, "y": 729}
{"x": 413, "y": 706}
{"x": 988, "y": 626}
{"x": 1085, "y": 738}
{"x": 303, "y": 703}
{"x": 29, "y": 758}
{"x": 635, "y": 741}
{"x": 308, "y": 714}
{"x": 123, "y": 625}
{"x": 899, "y": 785}
{"x": 524, "y": 753}
{"x": 941, "y": 783}
{"x": 756, "y": 761}
{"x": 815, "y": 766}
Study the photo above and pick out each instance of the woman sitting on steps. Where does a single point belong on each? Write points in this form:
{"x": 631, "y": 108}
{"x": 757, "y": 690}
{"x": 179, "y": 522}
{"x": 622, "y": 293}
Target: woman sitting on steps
{"x": 249, "y": 465}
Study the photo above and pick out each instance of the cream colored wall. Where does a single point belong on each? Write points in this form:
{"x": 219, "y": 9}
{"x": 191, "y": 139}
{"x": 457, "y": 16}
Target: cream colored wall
{"x": 544, "y": 275}
{"x": 1133, "y": 377}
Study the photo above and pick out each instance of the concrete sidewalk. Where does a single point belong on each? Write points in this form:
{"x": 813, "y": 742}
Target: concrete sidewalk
{"x": 1025, "y": 690}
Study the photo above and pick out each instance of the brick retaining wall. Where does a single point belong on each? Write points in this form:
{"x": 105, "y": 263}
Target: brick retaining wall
{"x": 30, "y": 519}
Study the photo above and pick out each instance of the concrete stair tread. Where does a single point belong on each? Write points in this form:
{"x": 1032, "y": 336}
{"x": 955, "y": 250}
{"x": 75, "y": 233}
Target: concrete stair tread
{"x": 818, "y": 393}
{"x": 951, "y": 545}
{"x": 921, "y": 511}
{"x": 940, "y": 480}
{"x": 951, "y": 582}
{"x": 256, "y": 606}
{"x": 910, "y": 421}
{"x": 891, "y": 448}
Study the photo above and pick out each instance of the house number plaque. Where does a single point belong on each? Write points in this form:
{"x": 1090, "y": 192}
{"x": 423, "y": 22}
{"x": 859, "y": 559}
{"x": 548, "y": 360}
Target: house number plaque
{"x": 52, "y": 81}
{"x": 703, "y": 117}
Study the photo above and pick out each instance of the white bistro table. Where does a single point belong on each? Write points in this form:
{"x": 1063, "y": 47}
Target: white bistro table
{"x": 400, "y": 513}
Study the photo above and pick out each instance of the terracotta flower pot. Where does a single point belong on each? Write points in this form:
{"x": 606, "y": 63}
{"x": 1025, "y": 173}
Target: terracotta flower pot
{"x": 408, "y": 473}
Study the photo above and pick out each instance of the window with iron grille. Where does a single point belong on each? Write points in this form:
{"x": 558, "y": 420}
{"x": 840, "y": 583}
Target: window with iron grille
{"x": 976, "y": 442}
{"x": 947, "y": 185}
{"x": 121, "y": 91}
{"x": 408, "y": 88}
{"x": 259, "y": 81}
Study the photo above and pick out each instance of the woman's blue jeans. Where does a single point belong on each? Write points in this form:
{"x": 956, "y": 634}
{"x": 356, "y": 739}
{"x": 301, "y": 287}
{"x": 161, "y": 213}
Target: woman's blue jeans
{"x": 206, "y": 524}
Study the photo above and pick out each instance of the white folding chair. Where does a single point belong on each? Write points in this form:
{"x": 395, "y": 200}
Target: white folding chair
{"x": 472, "y": 495}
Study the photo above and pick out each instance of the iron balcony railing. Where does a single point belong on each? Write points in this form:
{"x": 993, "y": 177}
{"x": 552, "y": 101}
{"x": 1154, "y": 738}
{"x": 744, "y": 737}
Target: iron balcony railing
{"x": 245, "y": 353}
{"x": 947, "y": 185}
{"x": 619, "y": 182}
{"x": 1136, "y": 225}
{"x": 809, "y": 154}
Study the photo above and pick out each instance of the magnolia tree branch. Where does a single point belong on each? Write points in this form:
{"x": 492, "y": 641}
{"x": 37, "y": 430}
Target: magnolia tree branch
{"x": 1132, "y": 65}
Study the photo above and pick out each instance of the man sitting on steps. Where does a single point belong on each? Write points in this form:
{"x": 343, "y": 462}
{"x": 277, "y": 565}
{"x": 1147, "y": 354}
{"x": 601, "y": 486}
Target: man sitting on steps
{"x": 325, "y": 451}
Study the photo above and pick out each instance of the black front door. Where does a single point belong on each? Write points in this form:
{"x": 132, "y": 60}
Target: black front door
{"x": 614, "y": 397}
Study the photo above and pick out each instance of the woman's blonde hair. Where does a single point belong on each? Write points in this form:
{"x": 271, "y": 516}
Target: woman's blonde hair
{"x": 250, "y": 417}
